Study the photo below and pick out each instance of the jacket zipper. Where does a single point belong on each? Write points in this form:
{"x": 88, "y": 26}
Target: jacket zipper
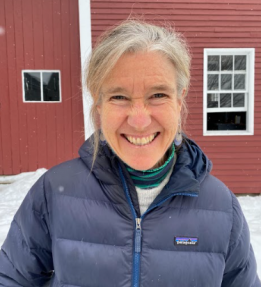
{"x": 137, "y": 235}
{"x": 138, "y": 232}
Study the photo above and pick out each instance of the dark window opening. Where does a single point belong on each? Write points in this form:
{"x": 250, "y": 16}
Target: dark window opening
{"x": 51, "y": 91}
{"x": 32, "y": 86}
{"x": 226, "y": 121}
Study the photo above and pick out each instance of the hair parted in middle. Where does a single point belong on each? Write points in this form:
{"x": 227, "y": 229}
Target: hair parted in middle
{"x": 133, "y": 36}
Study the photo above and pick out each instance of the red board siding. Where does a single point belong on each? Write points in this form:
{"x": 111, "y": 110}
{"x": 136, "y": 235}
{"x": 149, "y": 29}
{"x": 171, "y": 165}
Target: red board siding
{"x": 237, "y": 160}
{"x": 39, "y": 35}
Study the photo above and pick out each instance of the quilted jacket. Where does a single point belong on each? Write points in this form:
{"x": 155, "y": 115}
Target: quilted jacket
{"x": 80, "y": 225}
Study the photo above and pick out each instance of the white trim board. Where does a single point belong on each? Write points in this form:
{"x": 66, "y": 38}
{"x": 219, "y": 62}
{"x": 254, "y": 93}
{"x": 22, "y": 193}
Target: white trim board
{"x": 86, "y": 47}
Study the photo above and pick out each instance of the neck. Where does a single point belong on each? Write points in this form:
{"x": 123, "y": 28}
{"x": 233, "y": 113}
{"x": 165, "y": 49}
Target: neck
{"x": 153, "y": 177}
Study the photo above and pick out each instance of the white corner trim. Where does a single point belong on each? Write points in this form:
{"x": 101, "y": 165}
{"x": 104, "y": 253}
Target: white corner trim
{"x": 86, "y": 47}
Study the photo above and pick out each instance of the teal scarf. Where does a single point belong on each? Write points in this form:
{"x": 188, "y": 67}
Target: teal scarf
{"x": 153, "y": 177}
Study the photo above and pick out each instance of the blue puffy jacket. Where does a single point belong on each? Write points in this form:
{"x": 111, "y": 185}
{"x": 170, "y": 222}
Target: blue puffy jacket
{"x": 80, "y": 226}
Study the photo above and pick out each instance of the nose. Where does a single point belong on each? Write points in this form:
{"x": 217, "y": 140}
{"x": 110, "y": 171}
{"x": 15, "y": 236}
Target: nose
{"x": 139, "y": 117}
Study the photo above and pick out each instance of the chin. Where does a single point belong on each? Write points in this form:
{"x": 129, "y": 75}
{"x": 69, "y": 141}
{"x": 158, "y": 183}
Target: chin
{"x": 141, "y": 165}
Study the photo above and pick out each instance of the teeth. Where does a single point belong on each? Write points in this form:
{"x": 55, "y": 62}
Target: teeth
{"x": 141, "y": 141}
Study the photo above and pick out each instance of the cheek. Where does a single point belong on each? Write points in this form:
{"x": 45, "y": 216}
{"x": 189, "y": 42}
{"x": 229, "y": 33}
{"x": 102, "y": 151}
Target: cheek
{"x": 170, "y": 117}
{"x": 110, "y": 119}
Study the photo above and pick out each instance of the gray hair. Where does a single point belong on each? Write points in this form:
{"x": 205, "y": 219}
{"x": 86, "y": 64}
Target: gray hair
{"x": 133, "y": 36}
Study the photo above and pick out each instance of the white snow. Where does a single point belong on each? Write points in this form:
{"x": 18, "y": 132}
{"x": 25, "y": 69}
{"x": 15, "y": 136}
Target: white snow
{"x": 12, "y": 191}
{"x": 14, "y": 188}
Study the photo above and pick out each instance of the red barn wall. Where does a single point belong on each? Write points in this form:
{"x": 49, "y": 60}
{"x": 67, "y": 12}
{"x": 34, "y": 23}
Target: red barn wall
{"x": 206, "y": 24}
{"x": 42, "y": 34}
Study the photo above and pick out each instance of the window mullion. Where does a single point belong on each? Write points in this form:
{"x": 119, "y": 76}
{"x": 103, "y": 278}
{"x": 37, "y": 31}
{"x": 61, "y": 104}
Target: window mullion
{"x": 41, "y": 86}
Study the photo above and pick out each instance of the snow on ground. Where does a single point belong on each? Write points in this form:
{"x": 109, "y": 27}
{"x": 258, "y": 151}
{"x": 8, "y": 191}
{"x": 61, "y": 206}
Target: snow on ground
{"x": 14, "y": 188}
{"x": 12, "y": 191}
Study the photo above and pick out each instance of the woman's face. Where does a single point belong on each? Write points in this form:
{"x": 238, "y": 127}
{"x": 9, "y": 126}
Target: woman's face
{"x": 139, "y": 112}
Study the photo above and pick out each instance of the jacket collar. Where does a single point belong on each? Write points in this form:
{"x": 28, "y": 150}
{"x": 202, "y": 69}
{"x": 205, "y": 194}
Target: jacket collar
{"x": 191, "y": 167}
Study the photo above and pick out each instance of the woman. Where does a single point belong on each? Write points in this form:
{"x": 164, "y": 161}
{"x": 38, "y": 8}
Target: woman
{"x": 139, "y": 207}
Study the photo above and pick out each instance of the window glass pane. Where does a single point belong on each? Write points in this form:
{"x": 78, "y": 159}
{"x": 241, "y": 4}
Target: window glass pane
{"x": 239, "y": 82}
{"x": 51, "y": 87}
{"x": 240, "y": 63}
{"x": 226, "y": 82}
{"x": 226, "y": 121}
{"x": 212, "y": 82}
{"x": 213, "y": 100}
{"x": 226, "y": 63}
{"x": 32, "y": 88}
{"x": 225, "y": 100}
{"x": 213, "y": 63}
{"x": 238, "y": 100}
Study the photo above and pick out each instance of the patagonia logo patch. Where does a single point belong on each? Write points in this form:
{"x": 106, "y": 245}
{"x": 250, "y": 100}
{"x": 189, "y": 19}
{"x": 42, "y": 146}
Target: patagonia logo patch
{"x": 184, "y": 240}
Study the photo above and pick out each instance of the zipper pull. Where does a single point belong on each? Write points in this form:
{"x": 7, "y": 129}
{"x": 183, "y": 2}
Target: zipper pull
{"x": 138, "y": 235}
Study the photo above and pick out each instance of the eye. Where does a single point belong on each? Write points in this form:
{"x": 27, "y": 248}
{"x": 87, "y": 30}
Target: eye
{"x": 118, "y": 97}
{"x": 159, "y": 96}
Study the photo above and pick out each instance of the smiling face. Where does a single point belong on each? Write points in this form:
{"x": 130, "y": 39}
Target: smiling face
{"x": 140, "y": 110}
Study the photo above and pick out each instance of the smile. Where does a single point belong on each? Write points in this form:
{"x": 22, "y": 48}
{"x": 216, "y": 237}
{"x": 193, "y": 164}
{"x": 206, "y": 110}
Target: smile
{"x": 140, "y": 141}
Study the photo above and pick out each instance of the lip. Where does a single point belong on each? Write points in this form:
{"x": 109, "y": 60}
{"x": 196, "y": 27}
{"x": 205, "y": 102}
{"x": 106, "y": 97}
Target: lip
{"x": 138, "y": 139}
{"x": 140, "y": 136}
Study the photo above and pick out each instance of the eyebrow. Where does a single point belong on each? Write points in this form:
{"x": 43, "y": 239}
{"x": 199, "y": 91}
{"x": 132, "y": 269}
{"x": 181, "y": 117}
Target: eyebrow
{"x": 119, "y": 90}
{"x": 115, "y": 90}
{"x": 162, "y": 88}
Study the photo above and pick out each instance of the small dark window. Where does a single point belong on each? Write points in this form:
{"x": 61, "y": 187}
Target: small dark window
{"x": 51, "y": 86}
{"x": 41, "y": 86}
{"x": 32, "y": 86}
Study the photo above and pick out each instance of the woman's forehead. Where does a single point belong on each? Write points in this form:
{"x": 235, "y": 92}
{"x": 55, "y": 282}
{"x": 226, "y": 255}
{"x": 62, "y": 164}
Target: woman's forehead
{"x": 147, "y": 70}
{"x": 143, "y": 61}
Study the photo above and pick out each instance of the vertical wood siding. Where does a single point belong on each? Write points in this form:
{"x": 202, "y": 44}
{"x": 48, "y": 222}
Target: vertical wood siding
{"x": 206, "y": 24}
{"x": 39, "y": 35}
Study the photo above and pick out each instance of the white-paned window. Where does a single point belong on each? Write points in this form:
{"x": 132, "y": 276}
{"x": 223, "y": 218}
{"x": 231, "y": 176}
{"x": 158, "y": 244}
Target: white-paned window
{"x": 41, "y": 86}
{"x": 228, "y": 92}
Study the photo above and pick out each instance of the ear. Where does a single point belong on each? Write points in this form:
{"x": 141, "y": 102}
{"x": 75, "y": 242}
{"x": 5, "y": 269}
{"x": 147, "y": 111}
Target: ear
{"x": 181, "y": 99}
{"x": 98, "y": 116}
{"x": 184, "y": 91}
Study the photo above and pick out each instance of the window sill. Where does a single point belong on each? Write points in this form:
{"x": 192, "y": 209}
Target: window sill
{"x": 228, "y": 133}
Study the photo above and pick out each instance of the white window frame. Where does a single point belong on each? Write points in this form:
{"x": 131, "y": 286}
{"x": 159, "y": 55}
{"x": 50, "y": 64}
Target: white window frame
{"x": 41, "y": 77}
{"x": 249, "y": 91}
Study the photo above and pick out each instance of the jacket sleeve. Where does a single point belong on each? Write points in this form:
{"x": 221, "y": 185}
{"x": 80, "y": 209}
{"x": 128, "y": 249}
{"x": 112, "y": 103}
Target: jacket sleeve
{"x": 25, "y": 257}
{"x": 241, "y": 269}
